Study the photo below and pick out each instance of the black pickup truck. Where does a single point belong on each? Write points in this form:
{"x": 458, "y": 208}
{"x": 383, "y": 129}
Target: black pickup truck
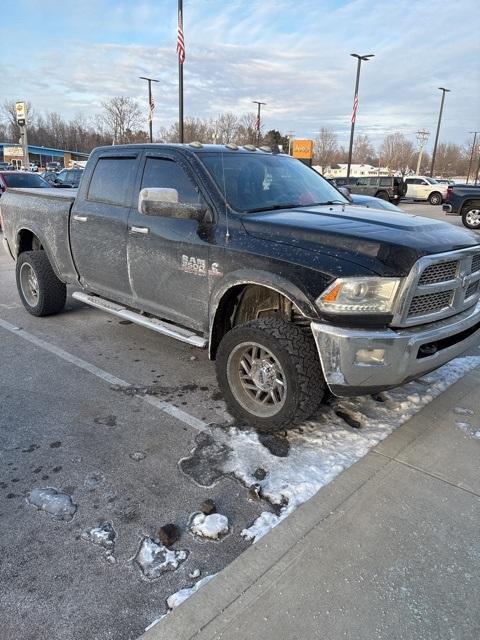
{"x": 464, "y": 200}
{"x": 255, "y": 256}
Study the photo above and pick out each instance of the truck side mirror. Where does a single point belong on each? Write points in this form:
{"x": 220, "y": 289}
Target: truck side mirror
{"x": 345, "y": 191}
{"x": 163, "y": 202}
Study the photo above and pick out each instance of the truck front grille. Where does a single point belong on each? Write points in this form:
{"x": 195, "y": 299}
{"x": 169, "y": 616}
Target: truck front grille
{"x": 439, "y": 272}
{"x": 430, "y": 303}
{"x": 440, "y": 286}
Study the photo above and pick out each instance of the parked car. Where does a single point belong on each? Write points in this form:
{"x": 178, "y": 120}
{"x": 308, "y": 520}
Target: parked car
{"x": 255, "y": 256}
{"x": 68, "y": 178}
{"x": 5, "y": 166}
{"x": 390, "y": 188}
{"x": 464, "y": 200}
{"x": 444, "y": 181}
{"x": 424, "y": 188}
{"x": 53, "y": 166}
{"x": 374, "y": 203}
{"x": 50, "y": 177}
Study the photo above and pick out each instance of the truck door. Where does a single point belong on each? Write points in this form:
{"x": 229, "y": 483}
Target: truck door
{"x": 98, "y": 226}
{"x": 169, "y": 257}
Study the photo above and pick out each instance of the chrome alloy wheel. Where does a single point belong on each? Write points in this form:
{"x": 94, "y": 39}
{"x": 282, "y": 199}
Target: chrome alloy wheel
{"x": 473, "y": 217}
{"x": 29, "y": 284}
{"x": 256, "y": 379}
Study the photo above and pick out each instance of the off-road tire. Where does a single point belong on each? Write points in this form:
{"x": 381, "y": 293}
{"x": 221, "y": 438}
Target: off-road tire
{"x": 467, "y": 217}
{"x": 295, "y": 350}
{"x": 435, "y": 198}
{"x": 383, "y": 195}
{"x": 52, "y": 293}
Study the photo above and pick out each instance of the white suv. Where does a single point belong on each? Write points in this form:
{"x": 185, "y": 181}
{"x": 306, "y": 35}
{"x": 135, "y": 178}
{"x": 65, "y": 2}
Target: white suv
{"x": 423, "y": 188}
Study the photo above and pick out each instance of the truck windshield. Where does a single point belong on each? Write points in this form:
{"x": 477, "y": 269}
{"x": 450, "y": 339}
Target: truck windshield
{"x": 265, "y": 182}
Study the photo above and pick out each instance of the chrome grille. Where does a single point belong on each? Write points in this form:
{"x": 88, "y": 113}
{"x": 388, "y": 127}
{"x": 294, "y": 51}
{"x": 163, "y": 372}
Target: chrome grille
{"x": 439, "y": 286}
{"x": 476, "y": 263}
{"x": 429, "y": 303}
{"x": 441, "y": 272}
{"x": 473, "y": 288}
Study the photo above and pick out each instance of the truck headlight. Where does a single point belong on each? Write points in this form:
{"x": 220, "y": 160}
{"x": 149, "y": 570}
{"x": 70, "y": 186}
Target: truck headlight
{"x": 360, "y": 295}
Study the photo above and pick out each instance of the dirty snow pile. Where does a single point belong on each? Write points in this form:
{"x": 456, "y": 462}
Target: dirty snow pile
{"x": 154, "y": 559}
{"x": 55, "y": 503}
{"x": 104, "y": 535}
{"x": 176, "y": 599}
{"x": 320, "y": 450}
{"x": 213, "y": 526}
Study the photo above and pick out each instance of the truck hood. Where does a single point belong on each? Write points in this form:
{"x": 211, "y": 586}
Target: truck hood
{"x": 386, "y": 243}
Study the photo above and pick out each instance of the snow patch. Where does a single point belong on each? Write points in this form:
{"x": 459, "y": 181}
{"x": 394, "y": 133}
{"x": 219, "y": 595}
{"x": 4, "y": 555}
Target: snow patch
{"x": 321, "y": 450}
{"x": 468, "y": 429}
{"x": 213, "y": 526}
{"x": 154, "y": 559}
{"x": 104, "y": 535}
{"x": 55, "y": 503}
{"x": 176, "y": 599}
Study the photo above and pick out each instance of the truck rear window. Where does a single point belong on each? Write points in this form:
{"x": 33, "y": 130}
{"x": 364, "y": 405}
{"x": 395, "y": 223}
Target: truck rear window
{"x": 112, "y": 180}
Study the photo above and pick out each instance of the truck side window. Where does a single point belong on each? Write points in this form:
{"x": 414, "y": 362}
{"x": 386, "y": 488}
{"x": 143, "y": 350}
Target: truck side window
{"x": 160, "y": 172}
{"x": 111, "y": 180}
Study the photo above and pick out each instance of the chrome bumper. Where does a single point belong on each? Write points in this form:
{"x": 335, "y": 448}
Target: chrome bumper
{"x": 447, "y": 208}
{"x": 393, "y": 354}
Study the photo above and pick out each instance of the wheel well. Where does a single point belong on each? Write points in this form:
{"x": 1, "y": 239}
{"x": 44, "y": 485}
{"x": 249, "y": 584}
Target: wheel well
{"x": 28, "y": 241}
{"x": 248, "y": 302}
{"x": 469, "y": 203}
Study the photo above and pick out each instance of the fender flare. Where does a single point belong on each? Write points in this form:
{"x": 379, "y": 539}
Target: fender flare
{"x": 37, "y": 233}
{"x": 262, "y": 278}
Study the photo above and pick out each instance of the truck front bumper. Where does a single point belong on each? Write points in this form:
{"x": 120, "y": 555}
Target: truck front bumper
{"x": 363, "y": 361}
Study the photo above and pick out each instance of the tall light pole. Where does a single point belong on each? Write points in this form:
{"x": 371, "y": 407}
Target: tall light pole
{"x": 355, "y": 104}
{"x": 473, "y": 153}
{"x": 151, "y": 104}
{"x": 444, "y": 91}
{"x": 257, "y": 123}
{"x": 422, "y": 137}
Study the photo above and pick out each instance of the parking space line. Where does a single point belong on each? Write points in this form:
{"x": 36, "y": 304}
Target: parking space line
{"x": 170, "y": 409}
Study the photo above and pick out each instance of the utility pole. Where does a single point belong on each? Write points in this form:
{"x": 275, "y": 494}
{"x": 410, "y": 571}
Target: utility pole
{"x": 478, "y": 169}
{"x": 355, "y": 104}
{"x": 151, "y": 104}
{"x": 422, "y": 137}
{"x": 21, "y": 116}
{"x": 444, "y": 91}
{"x": 258, "y": 123}
{"x": 290, "y": 135}
{"x": 472, "y": 154}
{"x": 181, "y": 60}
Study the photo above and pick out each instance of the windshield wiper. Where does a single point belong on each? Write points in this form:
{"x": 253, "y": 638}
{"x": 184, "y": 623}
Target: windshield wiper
{"x": 272, "y": 207}
{"x": 318, "y": 204}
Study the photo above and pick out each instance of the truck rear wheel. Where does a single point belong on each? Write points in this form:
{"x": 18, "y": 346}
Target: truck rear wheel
{"x": 383, "y": 195}
{"x": 435, "y": 198}
{"x": 471, "y": 215}
{"x": 41, "y": 292}
{"x": 270, "y": 374}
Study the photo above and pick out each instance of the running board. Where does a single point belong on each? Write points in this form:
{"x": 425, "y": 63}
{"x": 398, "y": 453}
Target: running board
{"x": 160, "y": 326}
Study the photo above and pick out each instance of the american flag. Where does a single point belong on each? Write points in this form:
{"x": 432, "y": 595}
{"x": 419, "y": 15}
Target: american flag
{"x": 152, "y": 107}
{"x": 180, "y": 39}
{"x": 355, "y": 107}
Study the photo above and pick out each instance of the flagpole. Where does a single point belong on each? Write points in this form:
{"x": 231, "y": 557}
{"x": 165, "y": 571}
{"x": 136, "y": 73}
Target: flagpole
{"x": 180, "y": 76}
{"x": 355, "y": 105}
{"x": 150, "y": 104}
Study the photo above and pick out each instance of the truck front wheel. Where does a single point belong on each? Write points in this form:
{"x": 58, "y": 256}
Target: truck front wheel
{"x": 41, "y": 292}
{"x": 270, "y": 374}
{"x": 471, "y": 215}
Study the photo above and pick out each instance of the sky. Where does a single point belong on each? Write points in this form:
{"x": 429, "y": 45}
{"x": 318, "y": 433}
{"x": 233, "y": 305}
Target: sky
{"x": 292, "y": 54}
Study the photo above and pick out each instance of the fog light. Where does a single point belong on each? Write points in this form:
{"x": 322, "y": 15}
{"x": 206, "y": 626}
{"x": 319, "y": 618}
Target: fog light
{"x": 370, "y": 356}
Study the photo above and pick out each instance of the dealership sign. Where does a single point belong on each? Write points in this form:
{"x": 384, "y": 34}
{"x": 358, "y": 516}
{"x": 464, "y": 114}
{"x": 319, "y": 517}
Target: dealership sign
{"x": 21, "y": 113}
{"x": 13, "y": 152}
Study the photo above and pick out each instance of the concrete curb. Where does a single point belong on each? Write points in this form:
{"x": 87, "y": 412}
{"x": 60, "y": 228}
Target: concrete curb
{"x": 240, "y": 584}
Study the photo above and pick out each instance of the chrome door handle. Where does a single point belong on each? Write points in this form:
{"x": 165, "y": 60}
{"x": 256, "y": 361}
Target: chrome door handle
{"x": 143, "y": 230}
{"x": 80, "y": 218}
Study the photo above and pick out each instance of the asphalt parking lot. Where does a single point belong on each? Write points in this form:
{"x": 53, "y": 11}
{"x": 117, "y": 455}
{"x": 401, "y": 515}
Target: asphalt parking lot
{"x": 109, "y": 414}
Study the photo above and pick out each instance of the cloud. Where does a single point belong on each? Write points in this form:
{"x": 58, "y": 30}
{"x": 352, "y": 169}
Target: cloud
{"x": 292, "y": 55}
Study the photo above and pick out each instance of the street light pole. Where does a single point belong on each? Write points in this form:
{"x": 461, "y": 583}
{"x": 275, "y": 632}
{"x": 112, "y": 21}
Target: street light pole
{"x": 151, "y": 105}
{"x": 355, "y": 104}
{"x": 422, "y": 137}
{"x": 472, "y": 154}
{"x": 290, "y": 135}
{"x": 257, "y": 125}
{"x": 444, "y": 91}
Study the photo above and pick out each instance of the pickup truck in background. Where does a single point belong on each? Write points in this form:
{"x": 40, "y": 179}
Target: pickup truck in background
{"x": 464, "y": 200}
{"x": 257, "y": 257}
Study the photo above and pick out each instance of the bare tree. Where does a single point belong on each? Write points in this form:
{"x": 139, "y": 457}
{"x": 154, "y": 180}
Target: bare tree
{"x": 121, "y": 117}
{"x": 363, "y": 151}
{"x": 225, "y": 128}
{"x": 247, "y": 132}
{"x": 397, "y": 152}
{"x": 450, "y": 160}
{"x": 326, "y": 147}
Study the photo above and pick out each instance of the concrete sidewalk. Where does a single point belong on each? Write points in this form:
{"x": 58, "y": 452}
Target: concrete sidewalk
{"x": 389, "y": 549}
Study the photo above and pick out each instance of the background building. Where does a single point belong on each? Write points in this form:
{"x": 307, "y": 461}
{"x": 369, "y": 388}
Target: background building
{"x": 39, "y": 155}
